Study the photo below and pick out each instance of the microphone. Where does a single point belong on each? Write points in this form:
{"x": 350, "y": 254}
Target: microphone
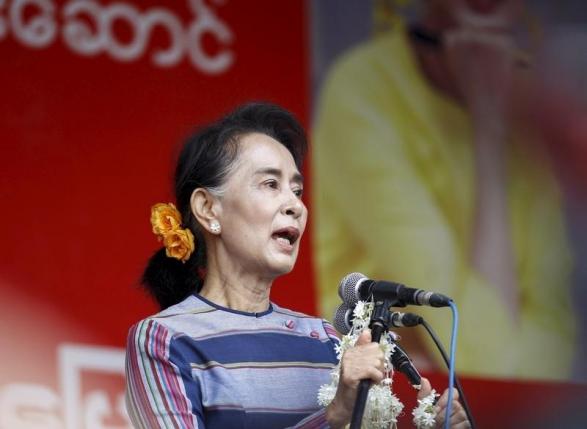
{"x": 343, "y": 319}
{"x": 405, "y": 320}
{"x": 403, "y": 364}
{"x": 356, "y": 286}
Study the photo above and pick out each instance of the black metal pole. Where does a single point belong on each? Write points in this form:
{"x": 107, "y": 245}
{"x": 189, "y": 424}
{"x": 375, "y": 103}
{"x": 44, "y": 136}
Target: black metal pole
{"x": 379, "y": 324}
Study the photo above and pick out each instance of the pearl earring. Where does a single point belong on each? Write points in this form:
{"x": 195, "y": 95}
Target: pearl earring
{"x": 215, "y": 227}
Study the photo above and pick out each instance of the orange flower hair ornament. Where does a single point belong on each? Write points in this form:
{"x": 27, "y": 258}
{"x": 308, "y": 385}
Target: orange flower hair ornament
{"x": 166, "y": 223}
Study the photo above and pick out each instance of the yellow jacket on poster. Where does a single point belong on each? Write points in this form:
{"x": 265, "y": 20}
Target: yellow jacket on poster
{"x": 394, "y": 199}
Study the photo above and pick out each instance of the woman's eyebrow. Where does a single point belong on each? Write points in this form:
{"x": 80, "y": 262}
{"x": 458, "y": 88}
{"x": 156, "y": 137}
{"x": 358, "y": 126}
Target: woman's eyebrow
{"x": 296, "y": 178}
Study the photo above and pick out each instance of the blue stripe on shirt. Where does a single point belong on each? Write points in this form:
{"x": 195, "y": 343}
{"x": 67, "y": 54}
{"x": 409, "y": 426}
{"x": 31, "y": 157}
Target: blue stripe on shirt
{"x": 255, "y": 347}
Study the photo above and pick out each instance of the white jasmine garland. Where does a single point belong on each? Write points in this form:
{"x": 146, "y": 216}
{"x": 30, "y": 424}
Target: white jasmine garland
{"x": 383, "y": 407}
{"x": 425, "y": 414}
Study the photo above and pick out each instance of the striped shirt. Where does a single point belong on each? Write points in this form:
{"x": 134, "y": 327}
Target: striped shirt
{"x": 199, "y": 365}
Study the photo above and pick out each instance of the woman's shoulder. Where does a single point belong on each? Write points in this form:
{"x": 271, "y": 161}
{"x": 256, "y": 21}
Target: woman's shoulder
{"x": 173, "y": 319}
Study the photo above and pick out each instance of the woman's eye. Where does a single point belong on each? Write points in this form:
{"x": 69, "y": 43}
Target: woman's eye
{"x": 272, "y": 184}
{"x": 298, "y": 192}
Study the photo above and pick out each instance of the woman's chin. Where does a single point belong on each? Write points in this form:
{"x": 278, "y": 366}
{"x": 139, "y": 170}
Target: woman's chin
{"x": 282, "y": 269}
{"x": 281, "y": 265}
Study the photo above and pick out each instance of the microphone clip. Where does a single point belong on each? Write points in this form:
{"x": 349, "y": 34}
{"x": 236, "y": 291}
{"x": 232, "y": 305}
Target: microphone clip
{"x": 381, "y": 319}
{"x": 381, "y": 316}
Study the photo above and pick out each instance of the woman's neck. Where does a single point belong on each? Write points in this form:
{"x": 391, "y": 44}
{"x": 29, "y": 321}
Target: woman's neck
{"x": 236, "y": 290}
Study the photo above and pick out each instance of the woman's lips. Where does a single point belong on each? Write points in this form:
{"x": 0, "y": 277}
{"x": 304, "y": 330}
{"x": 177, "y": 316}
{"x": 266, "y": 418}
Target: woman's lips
{"x": 284, "y": 244}
{"x": 288, "y": 233}
{"x": 286, "y": 238}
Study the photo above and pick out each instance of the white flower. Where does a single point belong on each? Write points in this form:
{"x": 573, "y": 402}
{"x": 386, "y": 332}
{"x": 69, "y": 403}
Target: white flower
{"x": 346, "y": 343}
{"x": 359, "y": 311}
{"x": 326, "y": 394}
{"x": 424, "y": 414}
{"x": 387, "y": 346}
{"x": 338, "y": 350}
{"x": 383, "y": 408}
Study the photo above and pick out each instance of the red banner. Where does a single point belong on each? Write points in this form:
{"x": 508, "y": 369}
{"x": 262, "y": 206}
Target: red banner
{"x": 96, "y": 96}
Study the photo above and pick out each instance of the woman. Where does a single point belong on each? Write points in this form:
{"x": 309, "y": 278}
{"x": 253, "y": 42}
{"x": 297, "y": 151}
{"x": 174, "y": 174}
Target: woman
{"x": 221, "y": 354}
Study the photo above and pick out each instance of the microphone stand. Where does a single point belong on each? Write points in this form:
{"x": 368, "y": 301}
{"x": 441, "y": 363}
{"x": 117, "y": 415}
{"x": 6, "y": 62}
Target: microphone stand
{"x": 380, "y": 320}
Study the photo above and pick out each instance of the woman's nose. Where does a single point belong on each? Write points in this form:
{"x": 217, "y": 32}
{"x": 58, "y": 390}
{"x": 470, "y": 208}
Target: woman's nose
{"x": 294, "y": 206}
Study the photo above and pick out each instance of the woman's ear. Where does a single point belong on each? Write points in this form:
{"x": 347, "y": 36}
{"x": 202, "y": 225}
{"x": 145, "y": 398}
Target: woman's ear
{"x": 205, "y": 208}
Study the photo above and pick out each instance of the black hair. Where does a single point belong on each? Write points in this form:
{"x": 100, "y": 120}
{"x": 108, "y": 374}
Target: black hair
{"x": 204, "y": 162}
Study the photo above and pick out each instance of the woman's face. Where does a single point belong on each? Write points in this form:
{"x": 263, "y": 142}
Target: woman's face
{"x": 261, "y": 213}
{"x": 494, "y": 13}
